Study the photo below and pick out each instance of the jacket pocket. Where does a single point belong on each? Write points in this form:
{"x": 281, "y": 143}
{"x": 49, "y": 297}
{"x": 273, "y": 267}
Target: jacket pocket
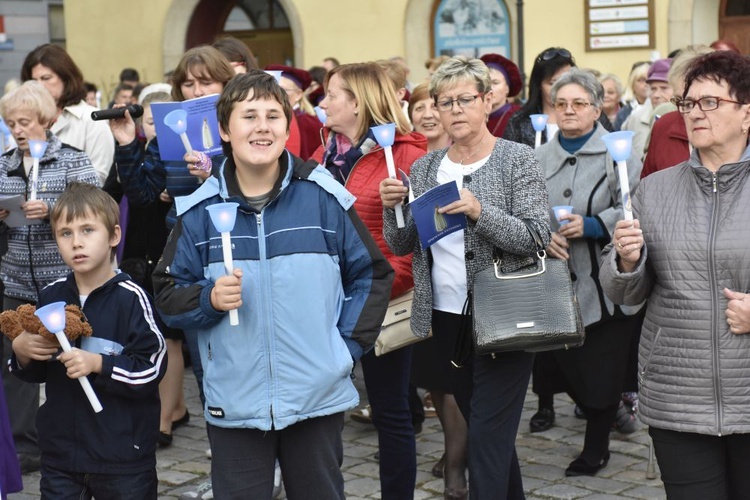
{"x": 644, "y": 372}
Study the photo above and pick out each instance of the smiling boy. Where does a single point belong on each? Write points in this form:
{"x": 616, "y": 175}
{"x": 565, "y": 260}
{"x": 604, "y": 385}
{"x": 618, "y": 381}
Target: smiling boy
{"x": 310, "y": 287}
{"x": 110, "y": 454}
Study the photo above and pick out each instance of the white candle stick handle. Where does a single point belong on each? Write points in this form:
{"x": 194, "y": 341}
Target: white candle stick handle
{"x": 34, "y": 179}
{"x": 392, "y": 174}
{"x": 186, "y": 143}
{"x": 90, "y": 394}
{"x": 622, "y": 171}
{"x": 538, "y": 139}
{"x": 226, "y": 247}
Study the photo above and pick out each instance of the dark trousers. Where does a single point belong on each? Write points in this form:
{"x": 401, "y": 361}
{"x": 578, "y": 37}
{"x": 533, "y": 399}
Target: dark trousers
{"x": 310, "y": 453}
{"x": 699, "y": 466}
{"x": 60, "y": 485}
{"x": 387, "y": 384}
{"x": 22, "y": 397}
{"x": 493, "y": 410}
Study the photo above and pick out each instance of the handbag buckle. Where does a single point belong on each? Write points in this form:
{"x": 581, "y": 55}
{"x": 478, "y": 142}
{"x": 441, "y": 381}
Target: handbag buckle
{"x": 542, "y": 259}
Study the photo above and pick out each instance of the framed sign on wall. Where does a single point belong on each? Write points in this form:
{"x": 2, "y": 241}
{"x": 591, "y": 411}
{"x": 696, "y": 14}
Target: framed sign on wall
{"x": 619, "y": 24}
{"x": 471, "y": 28}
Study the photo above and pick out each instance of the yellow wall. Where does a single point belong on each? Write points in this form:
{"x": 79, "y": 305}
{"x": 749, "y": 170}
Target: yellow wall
{"x": 103, "y": 37}
{"x": 562, "y": 23}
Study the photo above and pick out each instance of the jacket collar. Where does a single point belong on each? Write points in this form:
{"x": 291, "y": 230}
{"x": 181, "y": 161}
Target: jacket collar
{"x": 726, "y": 177}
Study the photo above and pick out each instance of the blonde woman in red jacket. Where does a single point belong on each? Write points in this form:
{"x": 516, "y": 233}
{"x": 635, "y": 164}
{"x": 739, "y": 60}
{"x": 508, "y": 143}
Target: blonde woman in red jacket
{"x": 359, "y": 96}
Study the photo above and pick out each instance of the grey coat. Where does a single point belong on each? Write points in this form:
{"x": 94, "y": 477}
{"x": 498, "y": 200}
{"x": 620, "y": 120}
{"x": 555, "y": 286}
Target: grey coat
{"x": 694, "y": 373}
{"x": 588, "y": 182}
{"x": 510, "y": 188}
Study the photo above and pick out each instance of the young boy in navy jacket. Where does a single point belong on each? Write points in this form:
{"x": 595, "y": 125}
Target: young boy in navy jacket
{"x": 310, "y": 288}
{"x": 111, "y": 454}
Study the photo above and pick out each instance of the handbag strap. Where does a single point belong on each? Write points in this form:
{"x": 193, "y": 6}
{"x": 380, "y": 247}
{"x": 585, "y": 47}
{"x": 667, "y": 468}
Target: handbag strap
{"x": 540, "y": 250}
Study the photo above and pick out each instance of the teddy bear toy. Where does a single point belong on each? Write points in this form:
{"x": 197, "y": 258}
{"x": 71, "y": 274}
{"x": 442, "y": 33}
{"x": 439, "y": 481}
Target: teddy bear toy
{"x": 12, "y": 323}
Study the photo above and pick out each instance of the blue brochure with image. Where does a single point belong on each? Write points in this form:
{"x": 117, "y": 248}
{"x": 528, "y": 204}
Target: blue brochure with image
{"x": 201, "y": 127}
{"x": 431, "y": 224}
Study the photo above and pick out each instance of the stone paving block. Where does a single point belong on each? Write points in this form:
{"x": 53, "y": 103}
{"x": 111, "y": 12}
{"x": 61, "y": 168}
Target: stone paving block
{"x": 531, "y": 484}
{"x": 176, "y": 478}
{"x": 603, "y": 496}
{"x": 646, "y": 493}
{"x": 367, "y": 469}
{"x": 563, "y": 491}
{"x": 197, "y": 468}
{"x": 600, "y": 484}
{"x": 548, "y": 472}
{"x": 361, "y": 487}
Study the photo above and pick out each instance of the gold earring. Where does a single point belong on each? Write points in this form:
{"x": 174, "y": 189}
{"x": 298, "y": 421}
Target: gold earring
{"x": 356, "y": 113}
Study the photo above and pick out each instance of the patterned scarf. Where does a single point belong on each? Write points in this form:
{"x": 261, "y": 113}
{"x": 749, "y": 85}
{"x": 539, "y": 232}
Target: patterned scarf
{"x": 341, "y": 155}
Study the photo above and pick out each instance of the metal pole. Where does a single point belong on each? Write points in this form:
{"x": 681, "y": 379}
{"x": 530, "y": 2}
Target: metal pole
{"x": 519, "y": 10}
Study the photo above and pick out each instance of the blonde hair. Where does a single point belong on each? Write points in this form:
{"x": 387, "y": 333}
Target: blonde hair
{"x": 458, "y": 69}
{"x": 640, "y": 70}
{"x": 31, "y": 96}
{"x": 613, "y": 78}
{"x": 368, "y": 84}
{"x": 680, "y": 63}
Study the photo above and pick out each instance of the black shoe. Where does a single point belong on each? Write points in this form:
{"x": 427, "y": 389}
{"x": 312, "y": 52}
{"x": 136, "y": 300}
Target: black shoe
{"x": 176, "y": 424}
{"x": 29, "y": 463}
{"x": 417, "y": 428}
{"x": 579, "y": 413}
{"x": 542, "y": 420}
{"x": 164, "y": 439}
{"x": 579, "y": 466}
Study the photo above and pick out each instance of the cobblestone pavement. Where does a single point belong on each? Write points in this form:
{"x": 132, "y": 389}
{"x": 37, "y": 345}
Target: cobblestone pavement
{"x": 544, "y": 457}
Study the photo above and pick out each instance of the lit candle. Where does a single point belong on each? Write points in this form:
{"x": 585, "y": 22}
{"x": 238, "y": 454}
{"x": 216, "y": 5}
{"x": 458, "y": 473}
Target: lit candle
{"x": 52, "y": 317}
{"x": 386, "y": 135}
{"x": 539, "y": 122}
{"x": 37, "y": 149}
{"x": 223, "y": 216}
{"x": 619, "y": 145}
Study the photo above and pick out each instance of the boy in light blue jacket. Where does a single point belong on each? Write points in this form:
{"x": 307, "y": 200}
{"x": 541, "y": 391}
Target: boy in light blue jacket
{"x": 310, "y": 287}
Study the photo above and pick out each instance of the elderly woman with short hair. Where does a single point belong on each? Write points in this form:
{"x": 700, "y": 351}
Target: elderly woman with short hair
{"x": 580, "y": 173}
{"x": 501, "y": 187}
{"x": 686, "y": 253}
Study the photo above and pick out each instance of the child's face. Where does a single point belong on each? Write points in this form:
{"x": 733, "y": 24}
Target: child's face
{"x": 149, "y": 130}
{"x": 85, "y": 244}
{"x": 257, "y": 132}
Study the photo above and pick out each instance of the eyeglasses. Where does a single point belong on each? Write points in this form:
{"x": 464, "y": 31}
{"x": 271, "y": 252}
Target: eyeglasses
{"x": 577, "y": 106}
{"x": 552, "y": 53}
{"x": 708, "y": 103}
{"x": 465, "y": 101}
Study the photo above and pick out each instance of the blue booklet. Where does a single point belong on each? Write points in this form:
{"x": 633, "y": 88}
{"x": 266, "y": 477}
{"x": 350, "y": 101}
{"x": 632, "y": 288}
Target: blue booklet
{"x": 197, "y": 117}
{"x": 431, "y": 224}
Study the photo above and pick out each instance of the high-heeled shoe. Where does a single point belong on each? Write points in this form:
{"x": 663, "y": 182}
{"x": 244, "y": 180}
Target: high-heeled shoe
{"x": 438, "y": 470}
{"x": 580, "y": 467}
{"x": 455, "y": 494}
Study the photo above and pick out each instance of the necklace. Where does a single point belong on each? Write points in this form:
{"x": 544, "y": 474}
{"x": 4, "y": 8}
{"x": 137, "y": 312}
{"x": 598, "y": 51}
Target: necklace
{"x": 479, "y": 148}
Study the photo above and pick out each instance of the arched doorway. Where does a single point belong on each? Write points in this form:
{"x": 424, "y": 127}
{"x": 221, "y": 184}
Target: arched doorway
{"x": 734, "y": 23}
{"x": 271, "y": 28}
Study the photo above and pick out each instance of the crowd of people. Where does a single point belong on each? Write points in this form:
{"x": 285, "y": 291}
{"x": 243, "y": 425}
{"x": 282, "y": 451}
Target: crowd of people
{"x": 318, "y": 250}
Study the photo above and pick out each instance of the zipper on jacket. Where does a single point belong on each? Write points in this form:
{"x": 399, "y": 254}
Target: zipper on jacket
{"x": 714, "y": 302}
{"x": 264, "y": 314}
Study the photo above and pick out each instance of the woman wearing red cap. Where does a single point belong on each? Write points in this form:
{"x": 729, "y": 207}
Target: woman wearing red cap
{"x": 506, "y": 82}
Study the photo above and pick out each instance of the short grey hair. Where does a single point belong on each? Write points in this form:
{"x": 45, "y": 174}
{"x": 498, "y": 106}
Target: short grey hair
{"x": 584, "y": 79}
{"x": 459, "y": 69}
{"x": 613, "y": 78}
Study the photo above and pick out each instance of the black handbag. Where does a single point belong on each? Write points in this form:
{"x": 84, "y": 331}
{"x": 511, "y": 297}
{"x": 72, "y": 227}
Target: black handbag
{"x": 532, "y": 309}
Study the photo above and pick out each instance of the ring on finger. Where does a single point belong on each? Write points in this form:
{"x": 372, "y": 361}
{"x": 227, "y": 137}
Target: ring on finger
{"x": 619, "y": 244}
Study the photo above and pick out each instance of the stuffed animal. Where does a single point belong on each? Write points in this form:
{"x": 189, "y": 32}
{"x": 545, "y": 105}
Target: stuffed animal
{"x": 12, "y": 323}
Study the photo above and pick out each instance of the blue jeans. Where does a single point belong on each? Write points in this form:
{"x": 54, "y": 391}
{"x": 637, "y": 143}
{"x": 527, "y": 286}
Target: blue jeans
{"x": 61, "y": 485}
{"x": 387, "y": 384}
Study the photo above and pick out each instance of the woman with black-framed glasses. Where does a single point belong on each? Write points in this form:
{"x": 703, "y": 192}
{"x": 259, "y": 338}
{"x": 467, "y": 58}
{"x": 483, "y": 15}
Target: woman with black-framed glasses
{"x": 501, "y": 185}
{"x": 580, "y": 174}
{"x": 686, "y": 254}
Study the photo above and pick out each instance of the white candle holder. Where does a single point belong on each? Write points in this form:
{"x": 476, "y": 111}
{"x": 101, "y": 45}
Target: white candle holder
{"x": 223, "y": 216}
{"x": 386, "y": 135}
{"x": 37, "y": 149}
{"x": 619, "y": 145}
{"x": 539, "y": 122}
{"x": 52, "y": 317}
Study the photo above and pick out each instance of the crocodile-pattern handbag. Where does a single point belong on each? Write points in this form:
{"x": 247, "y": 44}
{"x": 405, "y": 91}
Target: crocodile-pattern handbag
{"x": 532, "y": 309}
